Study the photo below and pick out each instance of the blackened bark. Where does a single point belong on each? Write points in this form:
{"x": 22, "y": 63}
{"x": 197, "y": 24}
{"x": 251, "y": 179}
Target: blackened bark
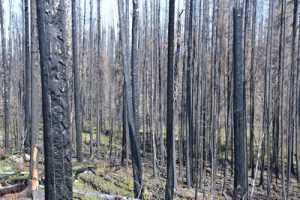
{"x": 240, "y": 151}
{"x": 77, "y": 92}
{"x": 125, "y": 132}
{"x": 34, "y": 93}
{"x": 228, "y": 127}
{"x": 134, "y": 63}
{"x": 57, "y": 138}
{"x": 252, "y": 89}
{"x": 160, "y": 83}
{"x": 291, "y": 99}
{"x": 91, "y": 80}
{"x": 134, "y": 139}
{"x": 297, "y": 117}
{"x": 189, "y": 113}
{"x": 27, "y": 80}
{"x": 170, "y": 101}
{"x": 279, "y": 106}
{"x": 98, "y": 142}
{"x": 5, "y": 81}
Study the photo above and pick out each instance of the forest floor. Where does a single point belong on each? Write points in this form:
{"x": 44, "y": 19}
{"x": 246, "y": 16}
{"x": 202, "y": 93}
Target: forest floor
{"x": 102, "y": 177}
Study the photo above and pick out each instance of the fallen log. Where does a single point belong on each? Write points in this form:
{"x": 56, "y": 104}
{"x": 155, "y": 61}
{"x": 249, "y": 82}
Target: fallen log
{"x": 13, "y": 189}
{"x": 82, "y": 170}
{"x": 6, "y": 176}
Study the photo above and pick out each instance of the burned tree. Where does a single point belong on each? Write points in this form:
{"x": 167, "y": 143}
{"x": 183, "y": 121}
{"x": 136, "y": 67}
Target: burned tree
{"x": 134, "y": 63}
{"x": 5, "y": 81}
{"x": 134, "y": 140}
{"x": 27, "y": 79}
{"x": 77, "y": 92}
{"x": 57, "y": 140}
{"x": 240, "y": 144}
{"x": 170, "y": 102}
{"x": 34, "y": 100}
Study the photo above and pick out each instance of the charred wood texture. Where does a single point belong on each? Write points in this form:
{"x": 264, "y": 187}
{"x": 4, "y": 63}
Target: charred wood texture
{"x": 240, "y": 144}
{"x": 57, "y": 139}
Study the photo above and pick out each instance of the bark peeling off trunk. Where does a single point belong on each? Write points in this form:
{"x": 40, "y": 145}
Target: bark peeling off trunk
{"x": 57, "y": 139}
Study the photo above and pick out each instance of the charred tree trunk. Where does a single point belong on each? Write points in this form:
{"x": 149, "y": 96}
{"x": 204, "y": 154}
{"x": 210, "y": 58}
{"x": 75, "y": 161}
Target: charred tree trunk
{"x": 297, "y": 117}
{"x": 34, "y": 99}
{"x": 27, "y": 80}
{"x": 189, "y": 102}
{"x": 77, "y": 92}
{"x": 134, "y": 139}
{"x": 91, "y": 66}
{"x": 240, "y": 147}
{"x": 57, "y": 138}
{"x": 291, "y": 99}
{"x": 170, "y": 101}
{"x": 5, "y": 82}
{"x": 280, "y": 78}
{"x": 252, "y": 89}
{"x": 134, "y": 63}
{"x": 99, "y": 88}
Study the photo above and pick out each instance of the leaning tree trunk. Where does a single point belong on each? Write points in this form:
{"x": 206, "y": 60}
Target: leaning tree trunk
{"x": 240, "y": 147}
{"x": 57, "y": 138}
{"x": 134, "y": 139}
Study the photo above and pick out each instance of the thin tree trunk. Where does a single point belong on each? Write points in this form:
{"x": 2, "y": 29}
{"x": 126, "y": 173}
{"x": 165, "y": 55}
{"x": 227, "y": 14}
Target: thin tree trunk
{"x": 34, "y": 99}
{"x": 27, "y": 80}
{"x": 291, "y": 98}
{"x": 134, "y": 139}
{"x": 91, "y": 66}
{"x": 189, "y": 114}
{"x": 77, "y": 91}
{"x": 5, "y": 82}
{"x": 98, "y": 141}
{"x": 280, "y": 92}
{"x": 252, "y": 89}
{"x": 134, "y": 63}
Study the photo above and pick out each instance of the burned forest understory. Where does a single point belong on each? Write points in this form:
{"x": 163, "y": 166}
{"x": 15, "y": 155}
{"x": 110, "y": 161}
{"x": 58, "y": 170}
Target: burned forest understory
{"x": 149, "y": 99}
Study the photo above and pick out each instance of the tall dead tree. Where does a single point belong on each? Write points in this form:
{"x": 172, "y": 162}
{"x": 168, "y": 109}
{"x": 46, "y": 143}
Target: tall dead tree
{"x": 99, "y": 72}
{"x": 5, "y": 81}
{"x": 297, "y": 113}
{"x": 291, "y": 98}
{"x": 34, "y": 100}
{"x": 55, "y": 99}
{"x": 4, "y": 68}
{"x": 240, "y": 145}
{"x": 27, "y": 79}
{"x": 90, "y": 76}
{"x": 279, "y": 97}
{"x": 189, "y": 110}
{"x": 77, "y": 91}
{"x": 134, "y": 139}
{"x": 170, "y": 105}
{"x": 134, "y": 63}
{"x": 252, "y": 88}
